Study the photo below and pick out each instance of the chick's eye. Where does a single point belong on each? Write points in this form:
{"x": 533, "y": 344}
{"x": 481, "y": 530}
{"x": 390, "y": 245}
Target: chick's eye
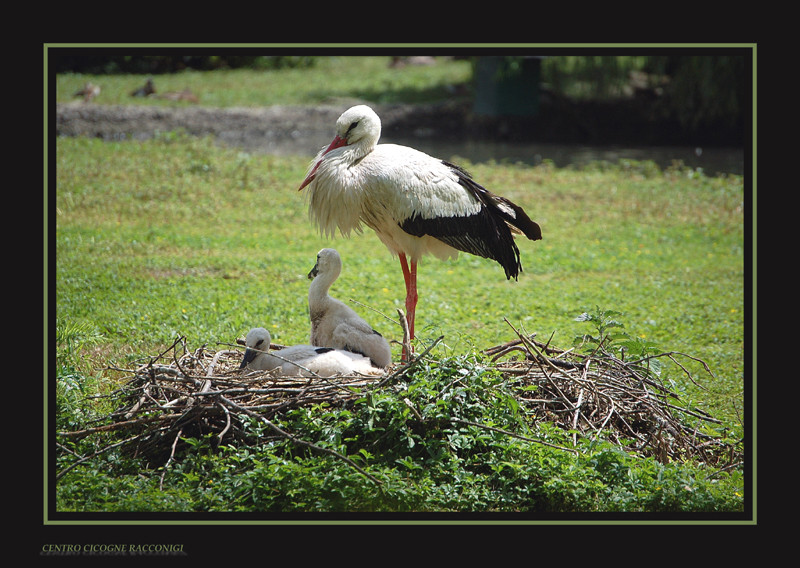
{"x": 259, "y": 342}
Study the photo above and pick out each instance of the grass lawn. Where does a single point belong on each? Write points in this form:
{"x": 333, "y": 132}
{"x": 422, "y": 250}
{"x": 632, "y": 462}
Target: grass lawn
{"x": 329, "y": 79}
{"x": 179, "y": 236}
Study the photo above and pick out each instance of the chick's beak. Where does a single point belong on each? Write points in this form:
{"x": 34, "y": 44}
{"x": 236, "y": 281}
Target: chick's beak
{"x": 249, "y": 355}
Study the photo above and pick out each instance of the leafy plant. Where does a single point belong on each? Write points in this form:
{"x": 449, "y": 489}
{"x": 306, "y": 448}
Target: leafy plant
{"x": 72, "y": 337}
{"x": 72, "y": 386}
{"x": 608, "y": 336}
{"x": 448, "y": 438}
{"x": 442, "y": 440}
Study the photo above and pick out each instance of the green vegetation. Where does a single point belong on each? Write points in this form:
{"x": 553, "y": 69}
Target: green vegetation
{"x": 698, "y": 91}
{"x": 330, "y": 78}
{"x": 425, "y": 450}
{"x": 178, "y": 236}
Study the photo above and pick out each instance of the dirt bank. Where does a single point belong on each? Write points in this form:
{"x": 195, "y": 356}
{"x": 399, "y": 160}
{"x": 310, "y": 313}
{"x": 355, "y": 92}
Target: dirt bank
{"x": 276, "y": 127}
{"x": 244, "y": 127}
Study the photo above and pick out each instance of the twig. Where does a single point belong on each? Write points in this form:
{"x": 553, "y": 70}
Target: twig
{"x": 406, "y": 335}
{"x": 531, "y": 345}
{"x": 63, "y": 472}
{"x": 297, "y": 440}
{"x": 215, "y": 360}
{"x": 171, "y": 455}
{"x": 600, "y": 428}
{"x": 167, "y": 350}
{"x": 688, "y": 374}
{"x": 591, "y": 395}
{"x": 409, "y": 366}
{"x": 119, "y": 425}
{"x": 377, "y": 311}
{"x": 575, "y": 417}
{"x": 227, "y": 423}
{"x": 512, "y": 434}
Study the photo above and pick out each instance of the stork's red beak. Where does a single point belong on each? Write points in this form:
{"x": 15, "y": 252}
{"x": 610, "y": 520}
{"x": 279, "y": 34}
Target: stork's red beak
{"x": 337, "y": 143}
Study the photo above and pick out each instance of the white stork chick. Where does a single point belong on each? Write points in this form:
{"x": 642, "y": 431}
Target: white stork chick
{"x": 302, "y": 360}
{"x": 415, "y": 203}
{"x": 334, "y": 323}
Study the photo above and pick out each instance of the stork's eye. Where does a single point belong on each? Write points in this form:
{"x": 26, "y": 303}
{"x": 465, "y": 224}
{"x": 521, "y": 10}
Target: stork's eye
{"x": 352, "y": 126}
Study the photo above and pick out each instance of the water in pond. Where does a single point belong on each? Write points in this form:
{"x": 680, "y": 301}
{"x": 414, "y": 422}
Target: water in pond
{"x": 712, "y": 160}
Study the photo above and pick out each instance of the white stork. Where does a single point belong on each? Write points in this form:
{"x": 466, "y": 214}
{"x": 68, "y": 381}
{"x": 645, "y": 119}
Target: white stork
{"x": 302, "y": 360}
{"x": 334, "y": 323}
{"x": 415, "y": 203}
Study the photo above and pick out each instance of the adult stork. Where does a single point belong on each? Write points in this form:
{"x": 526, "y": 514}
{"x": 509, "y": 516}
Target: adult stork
{"x": 415, "y": 203}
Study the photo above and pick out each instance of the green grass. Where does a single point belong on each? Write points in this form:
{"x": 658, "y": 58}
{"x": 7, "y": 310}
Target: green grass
{"x": 330, "y": 79}
{"x": 179, "y": 236}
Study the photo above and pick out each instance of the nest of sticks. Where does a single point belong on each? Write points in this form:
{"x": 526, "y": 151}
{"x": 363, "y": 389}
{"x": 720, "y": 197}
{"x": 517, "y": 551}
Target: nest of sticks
{"x": 184, "y": 393}
{"x": 600, "y": 393}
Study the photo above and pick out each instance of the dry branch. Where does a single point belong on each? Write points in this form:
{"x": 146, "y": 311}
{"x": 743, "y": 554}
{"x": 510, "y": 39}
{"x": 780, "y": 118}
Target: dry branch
{"x": 182, "y": 394}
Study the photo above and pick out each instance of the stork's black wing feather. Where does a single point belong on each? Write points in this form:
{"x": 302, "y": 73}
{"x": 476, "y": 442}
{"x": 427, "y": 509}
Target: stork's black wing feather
{"x": 486, "y": 233}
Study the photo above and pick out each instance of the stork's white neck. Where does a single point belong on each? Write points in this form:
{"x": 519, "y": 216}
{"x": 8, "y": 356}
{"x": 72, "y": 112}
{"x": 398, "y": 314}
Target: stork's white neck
{"x": 318, "y": 290}
{"x": 361, "y": 128}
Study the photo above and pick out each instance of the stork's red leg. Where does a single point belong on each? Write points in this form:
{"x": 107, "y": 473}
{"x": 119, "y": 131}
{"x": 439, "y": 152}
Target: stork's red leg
{"x": 411, "y": 298}
{"x": 410, "y": 276}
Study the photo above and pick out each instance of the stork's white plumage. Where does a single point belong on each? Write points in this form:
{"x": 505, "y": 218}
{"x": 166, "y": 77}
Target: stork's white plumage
{"x": 415, "y": 203}
{"x": 302, "y": 360}
{"x": 335, "y": 324}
